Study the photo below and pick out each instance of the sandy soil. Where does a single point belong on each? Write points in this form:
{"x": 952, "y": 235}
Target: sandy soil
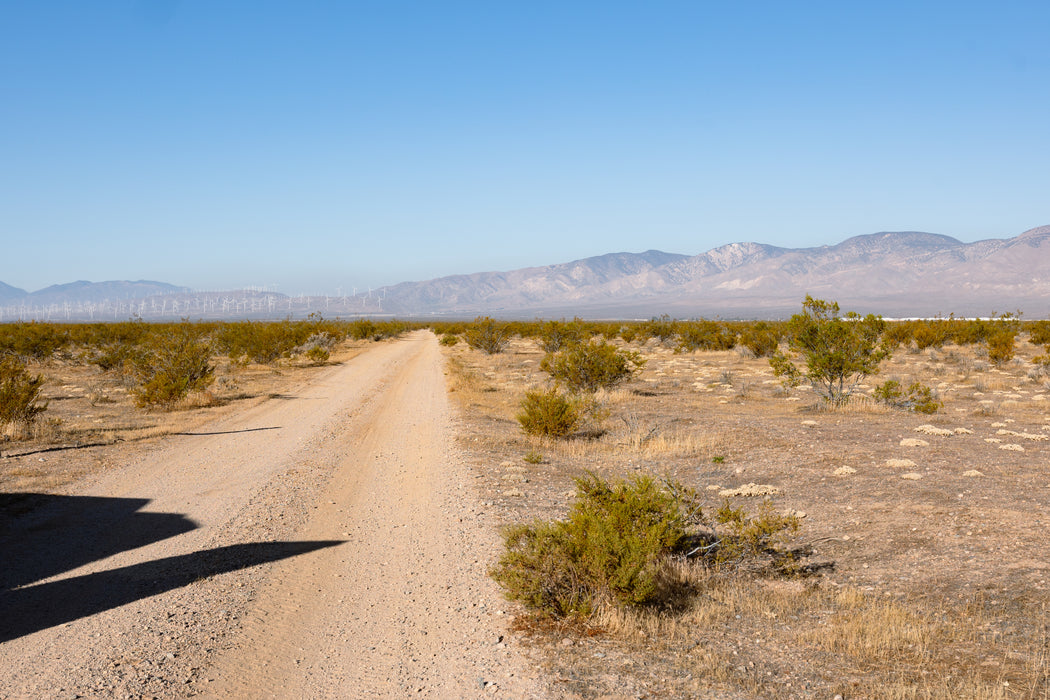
{"x": 325, "y": 544}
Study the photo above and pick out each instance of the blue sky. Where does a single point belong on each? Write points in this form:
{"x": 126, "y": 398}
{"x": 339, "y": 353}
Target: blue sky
{"x": 317, "y": 145}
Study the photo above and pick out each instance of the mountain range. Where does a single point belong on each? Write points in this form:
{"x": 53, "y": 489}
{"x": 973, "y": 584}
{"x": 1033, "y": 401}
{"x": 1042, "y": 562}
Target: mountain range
{"x": 896, "y": 274}
{"x": 892, "y": 273}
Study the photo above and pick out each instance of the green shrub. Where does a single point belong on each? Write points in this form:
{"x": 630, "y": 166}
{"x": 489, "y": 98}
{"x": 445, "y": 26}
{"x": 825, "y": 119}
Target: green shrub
{"x": 663, "y": 329}
{"x": 593, "y": 365}
{"x": 1038, "y": 332}
{"x": 19, "y": 392}
{"x": 263, "y": 343}
{"x": 32, "y": 341}
{"x": 612, "y": 547}
{"x": 918, "y": 397}
{"x": 317, "y": 348}
{"x": 172, "y": 365}
{"x": 556, "y": 335}
{"x": 533, "y": 457}
{"x": 1001, "y": 347}
{"x": 761, "y": 339}
{"x": 746, "y": 537}
{"x": 318, "y": 354}
{"x": 617, "y": 541}
{"x": 550, "y": 414}
{"x": 839, "y": 351}
{"x": 488, "y": 335}
{"x": 704, "y": 335}
{"x": 449, "y": 339}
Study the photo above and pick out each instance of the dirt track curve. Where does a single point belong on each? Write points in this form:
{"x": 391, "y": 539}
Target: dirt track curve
{"x": 322, "y": 545}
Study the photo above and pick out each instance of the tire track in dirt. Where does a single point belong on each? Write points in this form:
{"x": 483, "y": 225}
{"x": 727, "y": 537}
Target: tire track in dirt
{"x": 405, "y": 607}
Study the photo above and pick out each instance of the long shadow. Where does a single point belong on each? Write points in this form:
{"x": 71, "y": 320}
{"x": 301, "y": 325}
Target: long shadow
{"x": 42, "y": 535}
{"x": 232, "y": 432}
{"x": 56, "y": 448}
{"x": 27, "y": 610}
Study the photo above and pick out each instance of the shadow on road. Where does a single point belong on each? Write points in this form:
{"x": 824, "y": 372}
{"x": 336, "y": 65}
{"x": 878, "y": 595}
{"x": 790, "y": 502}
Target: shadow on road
{"x": 27, "y": 610}
{"x": 43, "y": 535}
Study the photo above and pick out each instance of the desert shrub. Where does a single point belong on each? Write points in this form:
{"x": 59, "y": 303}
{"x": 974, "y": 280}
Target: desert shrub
{"x": 550, "y": 414}
{"x": 761, "y": 338}
{"x": 317, "y": 348}
{"x": 449, "y": 339}
{"x": 918, "y": 397}
{"x": 931, "y": 334}
{"x": 19, "y": 392}
{"x": 556, "y": 335}
{"x": 592, "y": 365}
{"x": 612, "y": 547}
{"x": 617, "y": 542}
{"x": 704, "y": 335}
{"x": 1038, "y": 332}
{"x": 663, "y": 329}
{"x": 109, "y": 345}
{"x": 487, "y": 334}
{"x": 261, "y": 342}
{"x": 839, "y": 351}
{"x": 362, "y": 329}
{"x": 897, "y": 333}
{"x": 32, "y": 341}
{"x": 749, "y": 538}
{"x": 628, "y": 333}
{"x": 533, "y": 457}
{"x": 969, "y": 331}
{"x": 318, "y": 354}
{"x": 172, "y": 365}
{"x": 1001, "y": 347}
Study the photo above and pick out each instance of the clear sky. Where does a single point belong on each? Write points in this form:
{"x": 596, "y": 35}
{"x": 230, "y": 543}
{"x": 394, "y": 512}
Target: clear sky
{"x": 317, "y": 145}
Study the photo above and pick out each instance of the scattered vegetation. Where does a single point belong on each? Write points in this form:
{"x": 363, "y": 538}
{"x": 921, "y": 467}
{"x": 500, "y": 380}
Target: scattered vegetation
{"x": 172, "y": 366}
{"x": 619, "y": 541}
{"x": 704, "y": 335}
{"x": 838, "y": 351}
{"x": 918, "y": 397}
{"x": 592, "y": 365}
{"x": 611, "y": 547}
{"x": 550, "y": 414}
{"x": 20, "y": 401}
{"x": 488, "y": 334}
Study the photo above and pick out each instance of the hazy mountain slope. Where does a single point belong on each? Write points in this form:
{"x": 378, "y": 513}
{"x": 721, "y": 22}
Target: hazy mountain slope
{"x": 603, "y": 277}
{"x": 9, "y": 293}
{"x": 893, "y": 273}
{"x": 84, "y": 291}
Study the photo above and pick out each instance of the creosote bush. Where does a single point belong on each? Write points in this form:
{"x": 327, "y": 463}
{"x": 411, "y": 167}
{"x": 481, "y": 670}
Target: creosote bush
{"x": 618, "y": 543}
{"x": 611, "y": 547}
{"x": 172, "y": 365}
{"x": 556, "y": 335}
{"x": 839, "y": 351}
{"x": 918, "y": 397}
{"x": 704, "y": 334}
{"x": 550, "y": 414}
{"x": 592, "y": 365}
{"x": 487, "y": 334}
{"x": 19, "y": 392}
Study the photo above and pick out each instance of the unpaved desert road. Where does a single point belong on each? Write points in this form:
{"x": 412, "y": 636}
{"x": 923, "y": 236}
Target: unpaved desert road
{"x": 323, "y": 545}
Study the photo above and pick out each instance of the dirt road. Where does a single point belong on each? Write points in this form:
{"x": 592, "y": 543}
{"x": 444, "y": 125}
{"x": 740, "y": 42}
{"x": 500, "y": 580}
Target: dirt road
{"x": 324, "y": 545}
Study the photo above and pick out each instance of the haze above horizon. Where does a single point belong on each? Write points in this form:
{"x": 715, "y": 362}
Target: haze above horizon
{"x": 331, "y": 145}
